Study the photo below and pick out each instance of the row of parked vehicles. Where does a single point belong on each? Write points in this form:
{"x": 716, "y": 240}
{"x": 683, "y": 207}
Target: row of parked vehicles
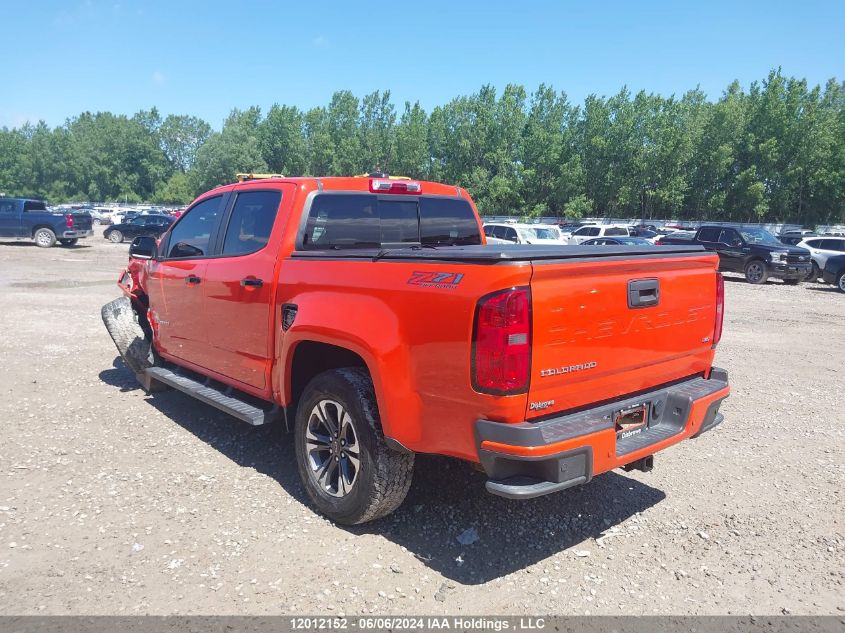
{"x": 754, "y": 252}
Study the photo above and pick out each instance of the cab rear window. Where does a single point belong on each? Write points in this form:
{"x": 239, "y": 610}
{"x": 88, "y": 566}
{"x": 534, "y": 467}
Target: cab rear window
{"x": 342, "y": 221}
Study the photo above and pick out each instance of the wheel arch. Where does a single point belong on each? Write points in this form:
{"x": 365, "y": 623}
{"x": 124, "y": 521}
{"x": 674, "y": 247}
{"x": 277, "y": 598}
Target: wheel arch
{"x": 42, "y": 225}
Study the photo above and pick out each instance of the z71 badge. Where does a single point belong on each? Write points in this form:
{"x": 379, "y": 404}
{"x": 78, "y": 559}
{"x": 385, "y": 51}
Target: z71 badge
{"x": 435, "y": 280}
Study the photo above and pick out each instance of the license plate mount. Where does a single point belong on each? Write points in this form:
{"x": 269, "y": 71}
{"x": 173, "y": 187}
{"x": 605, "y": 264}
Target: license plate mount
{"x": 631, "y": 420}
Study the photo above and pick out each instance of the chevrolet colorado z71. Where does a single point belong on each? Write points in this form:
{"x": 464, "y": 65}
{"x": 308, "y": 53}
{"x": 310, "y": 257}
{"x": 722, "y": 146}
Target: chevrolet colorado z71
{"x": 369, "y": 315}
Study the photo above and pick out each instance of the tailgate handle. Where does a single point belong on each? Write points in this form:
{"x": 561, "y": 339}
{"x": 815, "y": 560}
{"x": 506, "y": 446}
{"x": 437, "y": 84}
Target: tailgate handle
{"x": 643, "y": 293}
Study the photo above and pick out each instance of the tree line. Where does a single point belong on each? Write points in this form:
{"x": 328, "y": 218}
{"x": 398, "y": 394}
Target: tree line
{"x": 772, "y": 152}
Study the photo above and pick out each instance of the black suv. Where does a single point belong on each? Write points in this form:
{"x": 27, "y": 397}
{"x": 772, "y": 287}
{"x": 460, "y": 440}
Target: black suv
{"x": 149, "y": 225}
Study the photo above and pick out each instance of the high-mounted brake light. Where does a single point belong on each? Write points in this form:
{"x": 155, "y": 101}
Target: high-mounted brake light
{"x": 501, "y": 342}
{"x": 384, "y": 185}
{"x": 720, "y": 308}
{"x": 69, "y": 221}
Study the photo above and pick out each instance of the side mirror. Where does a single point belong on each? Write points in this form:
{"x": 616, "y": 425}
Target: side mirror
{"x": 142, "y": 248}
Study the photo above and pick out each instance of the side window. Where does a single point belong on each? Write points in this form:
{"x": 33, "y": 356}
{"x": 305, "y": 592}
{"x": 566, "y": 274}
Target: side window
{"x": 488, "y": 231}
{"x": 34, "y": 205}
{"x": 584, "y": 230}
{"x": 839, "y": 246}
{"x": 191, "y": 236}
{"x": 615, "y": 230}
{"x": 510, "y": 234}
{"x": 708, "y": 235}
{"x": 815, "y": 243}
{"x": 729, "y": 237}
{"x": 252, "y": 220}
{"x": 593, "y": 230}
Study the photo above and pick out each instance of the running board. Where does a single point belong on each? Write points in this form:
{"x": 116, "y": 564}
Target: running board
{"x": 223, "y": 399}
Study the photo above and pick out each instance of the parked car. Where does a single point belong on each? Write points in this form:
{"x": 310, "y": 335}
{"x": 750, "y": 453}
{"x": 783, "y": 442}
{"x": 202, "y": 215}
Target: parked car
{"x": 513, "y": 233}
{"x": 27, "y": 219}
{"x": 618, "y": 241}
{"x": 604, "y": 230}
{"x": 98, "y": 217}
{"x": 834, "y": 271}
{"x": 369, "y": 315}
{"x": 151, "y": 225}
{"x": 752, "y": 251}
{"x": 821, "y": 248}
{"x": 793, "y": 237}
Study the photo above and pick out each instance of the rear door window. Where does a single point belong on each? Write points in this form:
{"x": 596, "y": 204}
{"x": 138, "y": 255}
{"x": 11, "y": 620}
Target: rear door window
{"x": 709, "y": 235}
{"x": 251, "y": 221}
{"x": 615, "y": 230}
{"x": 34, "y": 205}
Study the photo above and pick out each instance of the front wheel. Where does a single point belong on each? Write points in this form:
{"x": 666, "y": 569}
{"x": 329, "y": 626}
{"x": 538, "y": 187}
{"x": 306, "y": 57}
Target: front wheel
{"x": 840, "y": 282}
{"x": 69, "y": 241}
{"x": 756, "y": 273}
{"x": 347, "y": 468}
{"x": 116, "y": 237}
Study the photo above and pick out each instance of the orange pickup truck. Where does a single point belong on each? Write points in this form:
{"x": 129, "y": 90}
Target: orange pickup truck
{"x": 369, "y": 315}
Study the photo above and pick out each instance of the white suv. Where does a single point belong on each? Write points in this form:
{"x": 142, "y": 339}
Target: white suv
{"x": 605, "y": 230}
{"x": 513, "y": 233}
{"x": 821, "y": 248}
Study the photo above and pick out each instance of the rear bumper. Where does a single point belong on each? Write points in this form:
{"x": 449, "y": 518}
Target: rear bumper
{"x": 76, "y": 234}
{"x": 530, "y": 459}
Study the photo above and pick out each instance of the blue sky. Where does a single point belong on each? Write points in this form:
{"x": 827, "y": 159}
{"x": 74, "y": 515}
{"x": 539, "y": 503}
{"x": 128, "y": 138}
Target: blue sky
{"x": 205, "y": 58}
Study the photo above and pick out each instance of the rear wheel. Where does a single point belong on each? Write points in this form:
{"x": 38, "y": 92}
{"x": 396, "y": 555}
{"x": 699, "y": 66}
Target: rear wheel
{"x": 755, "y": 272}
{"x": 348, "y": 470}
{"x": 840, "y": 281}
{"x": 69, "y": 241}
{"x": 44, "y": 237}
{"x": 115, "y": 236}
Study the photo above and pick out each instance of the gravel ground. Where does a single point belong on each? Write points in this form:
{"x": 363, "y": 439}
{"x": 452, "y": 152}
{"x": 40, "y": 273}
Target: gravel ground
{"x": 115, "y": 502}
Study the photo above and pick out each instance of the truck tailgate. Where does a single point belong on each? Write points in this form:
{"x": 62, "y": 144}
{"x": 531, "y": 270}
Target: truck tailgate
{"x": 604, "y": 328}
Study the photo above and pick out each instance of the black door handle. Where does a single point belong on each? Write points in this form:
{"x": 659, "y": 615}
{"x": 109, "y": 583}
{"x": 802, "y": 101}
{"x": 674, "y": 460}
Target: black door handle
{"x": 192, "y": 279}
{"x": 252, "y": 283}
{"x": 643, "y": 293}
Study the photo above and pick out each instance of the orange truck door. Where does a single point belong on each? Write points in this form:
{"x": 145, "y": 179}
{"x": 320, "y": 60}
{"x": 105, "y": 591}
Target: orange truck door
{"x": 239, "y": 285}
{"x": 176, "y": 281}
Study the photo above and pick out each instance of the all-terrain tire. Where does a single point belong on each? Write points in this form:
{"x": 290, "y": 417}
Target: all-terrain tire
{"x": 129, "y": 337}
{"x": 756, "y": 272}
{"x": 44, "y": 237}
{"x": 384, "y": 475}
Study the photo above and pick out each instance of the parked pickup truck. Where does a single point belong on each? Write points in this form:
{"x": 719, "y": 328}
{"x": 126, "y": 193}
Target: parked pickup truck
{"x": 754, "y": 252}
{"x": 369, "y": 316}
{"x": 23, "y": 218}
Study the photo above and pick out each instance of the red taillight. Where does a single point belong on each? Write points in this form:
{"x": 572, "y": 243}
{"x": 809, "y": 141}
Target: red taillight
{"x": 720, "y": 308}
{"x": 379, "y": 185}
{"x": 501, "y": 356}
{"x": 69, "y": 221}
